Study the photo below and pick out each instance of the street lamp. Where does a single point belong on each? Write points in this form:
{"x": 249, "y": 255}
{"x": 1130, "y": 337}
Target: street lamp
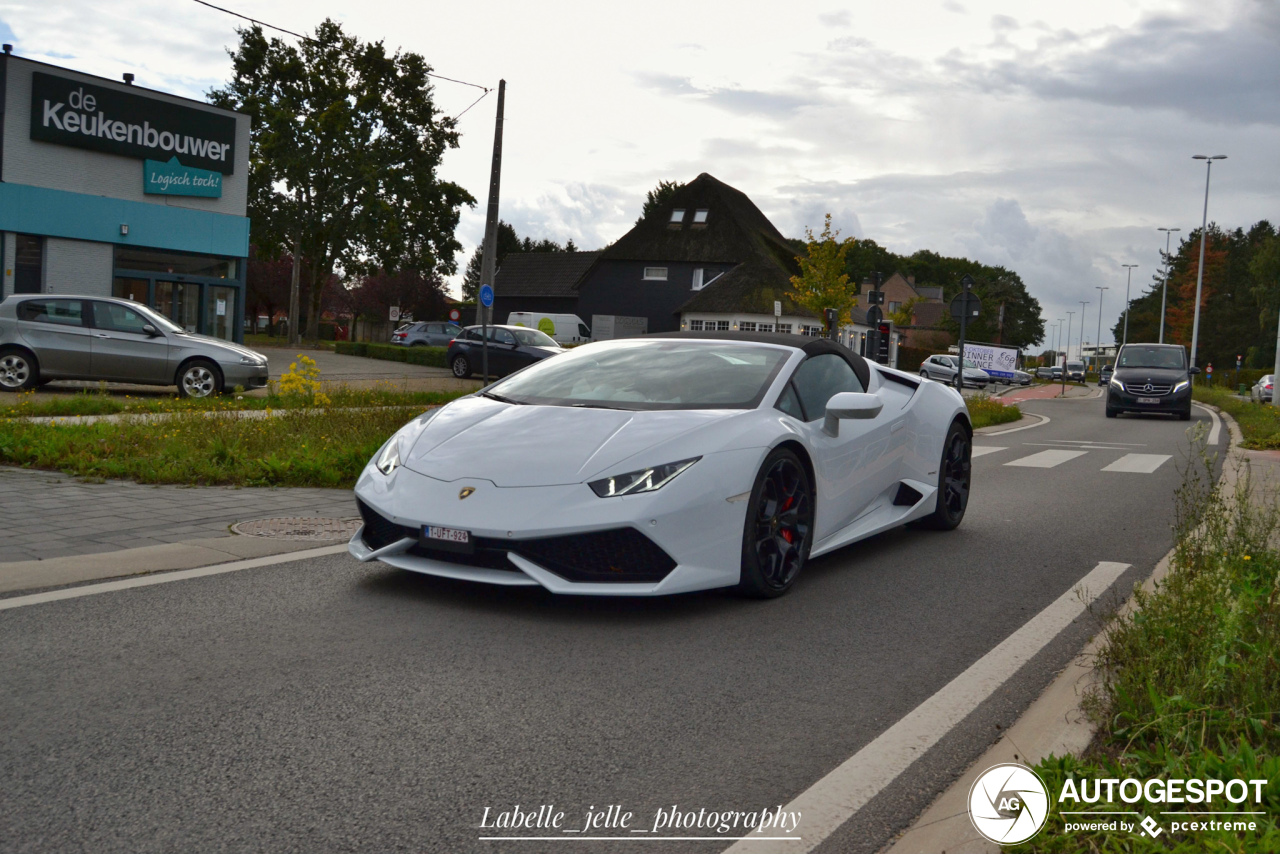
{"x": 1057, "y": 340}
{"x": 1127, "y": 281}
{"x": 1164, "y": 293}
{"x": 1096, "y": 360}
{"x": 1070, "y": 314}
{"x": 1204, "y": 228}
{"x": 1083, "y": 303}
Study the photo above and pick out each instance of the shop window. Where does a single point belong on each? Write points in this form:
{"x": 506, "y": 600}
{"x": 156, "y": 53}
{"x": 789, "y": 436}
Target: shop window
{"x": 721, "y": 325}
{"x": 747, "y": 326}
{"x": 28, "y": 264}
{"x": 695, "y": 325}
{"x": 177, "y": 263}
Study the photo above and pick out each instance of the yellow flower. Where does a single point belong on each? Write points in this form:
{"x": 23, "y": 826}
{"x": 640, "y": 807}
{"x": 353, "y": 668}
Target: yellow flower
{"x": 1246, "y": 557}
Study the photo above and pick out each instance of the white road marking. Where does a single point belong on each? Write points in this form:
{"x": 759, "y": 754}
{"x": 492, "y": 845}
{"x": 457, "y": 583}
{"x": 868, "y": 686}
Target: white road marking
{"x": 163, "y": 578}
{"x": 1046, "y": 459}
{"x": 1215, "y": 429}
{"x": 1101, "y": 447}
{"x": 1095, "y": 442}
{"x": 835, "y": 798}
{"x": 983, "y": 450}
{"x": 1044, "y": 419}
{"x": 1139, "y": 463}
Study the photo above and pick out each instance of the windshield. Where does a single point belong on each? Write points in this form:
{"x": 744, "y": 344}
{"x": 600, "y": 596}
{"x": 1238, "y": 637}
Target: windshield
{"x": 534, "y": 338}
{"x": 650, "y": 375}
{"x": 1143, "y": 356}
{"x": 158, "y": 319}
{"x": 1075, "y": 366}
{"x": 969, "y": 364}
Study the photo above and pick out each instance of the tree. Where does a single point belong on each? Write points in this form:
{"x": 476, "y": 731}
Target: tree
{"x": 822, "y": 282}
{"x": 659, "y": 196}
{"x": 345, "y": 145}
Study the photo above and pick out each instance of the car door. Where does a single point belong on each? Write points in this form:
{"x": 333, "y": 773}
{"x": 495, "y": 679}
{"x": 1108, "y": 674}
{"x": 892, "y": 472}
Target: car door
{"x": 123, "y": 351}
{"x": 438, "y": 334}
{"x": 504, "y": 352}
{"x": 57, "y": 331}
{"x": 853, "y": 467}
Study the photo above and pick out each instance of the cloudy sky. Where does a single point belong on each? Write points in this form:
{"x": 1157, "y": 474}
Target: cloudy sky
{"x": 1052, "y": 138}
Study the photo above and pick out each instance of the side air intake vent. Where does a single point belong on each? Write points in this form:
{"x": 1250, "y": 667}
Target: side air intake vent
{"x": 906, "y": 497}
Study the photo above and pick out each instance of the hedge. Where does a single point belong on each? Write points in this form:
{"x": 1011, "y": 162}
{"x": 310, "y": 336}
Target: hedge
{"x": 432, "y": 357}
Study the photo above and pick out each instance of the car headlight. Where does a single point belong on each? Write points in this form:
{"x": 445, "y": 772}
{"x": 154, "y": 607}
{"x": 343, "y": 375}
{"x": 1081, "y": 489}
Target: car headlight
{"x": 1116, "y": 384}
{"x": 389, "y": 456}
{"x": 641, "y": 480}
{"x": 1180, "y": 386}
{"x": 250, "y": 360}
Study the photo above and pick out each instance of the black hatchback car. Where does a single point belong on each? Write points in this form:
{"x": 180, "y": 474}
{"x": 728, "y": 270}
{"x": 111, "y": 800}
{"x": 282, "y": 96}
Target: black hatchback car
{"x": 510, "y": 349}
{"x": 1151, "y": 378}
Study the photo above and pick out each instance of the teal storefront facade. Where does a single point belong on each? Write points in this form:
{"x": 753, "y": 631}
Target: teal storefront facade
{"x": 107, "y": 188}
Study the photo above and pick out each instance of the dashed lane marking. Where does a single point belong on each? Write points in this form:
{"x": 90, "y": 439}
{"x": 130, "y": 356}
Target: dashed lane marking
{"x": 983, "y": 450}
{"x": 1046, "y": 459}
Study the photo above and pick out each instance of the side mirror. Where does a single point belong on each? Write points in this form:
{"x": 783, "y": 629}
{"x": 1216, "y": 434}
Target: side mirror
{"x": 850, "y": 404}
{"x": 151, "y": 330}
{"x": 1193, "y": 370}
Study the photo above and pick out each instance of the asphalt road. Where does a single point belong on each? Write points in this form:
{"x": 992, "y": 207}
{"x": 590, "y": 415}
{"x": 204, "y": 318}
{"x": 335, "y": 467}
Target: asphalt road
{"x": 330, "y": 706}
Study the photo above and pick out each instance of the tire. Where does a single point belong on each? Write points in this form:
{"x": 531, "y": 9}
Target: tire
{"x": 955, "y": 475}
{"x": 19, "y": 370}
{"x": 778, "y": 532}
{"x": 461, "y": 367}
{"x": 924, "y": 375}
{"x": 199, "y": 379}
{"x": 418, "y": 344}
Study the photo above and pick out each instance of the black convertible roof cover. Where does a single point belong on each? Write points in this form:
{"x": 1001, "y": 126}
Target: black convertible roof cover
{"x": 810, "y": 346}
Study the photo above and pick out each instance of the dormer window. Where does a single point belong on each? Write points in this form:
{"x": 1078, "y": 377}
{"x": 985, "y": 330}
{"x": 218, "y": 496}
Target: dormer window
{"x": 655, "y": 274}
{"x": 677, "y": 216}
{"x": 700, "y": 216}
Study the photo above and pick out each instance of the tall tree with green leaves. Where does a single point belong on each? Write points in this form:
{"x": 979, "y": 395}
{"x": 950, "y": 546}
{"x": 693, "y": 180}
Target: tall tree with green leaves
{"x": 658, "y": 196}
{"x": 823, "y": 282}
{"x": 346, "y": 142}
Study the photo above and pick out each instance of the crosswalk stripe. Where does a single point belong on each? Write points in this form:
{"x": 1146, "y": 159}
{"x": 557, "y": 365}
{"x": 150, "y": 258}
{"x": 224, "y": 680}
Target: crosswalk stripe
{"x": 1139, "y": 463}
{"x": 983, "y": 450}
{"x": 1046, "y": 459}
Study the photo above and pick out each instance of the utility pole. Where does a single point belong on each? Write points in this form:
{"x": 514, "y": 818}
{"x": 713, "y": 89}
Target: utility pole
{"x": 1070, "y": 315}
{"x": 488, "y": 260}
{"x": 1164, "y": 292}
{"x": 1097, "y": 351}
{"x": 295, "y": 324}
{"x": 1083, "y": 303}
{"x": 1204, "y": 233}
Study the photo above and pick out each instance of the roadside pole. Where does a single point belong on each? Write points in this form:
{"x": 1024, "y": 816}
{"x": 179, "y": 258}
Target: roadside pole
{"x": 488, "y": 261}
{"x": 295, "y": 333}
{"x": 964, "y": 305}
{"x": 1275, "y": 373}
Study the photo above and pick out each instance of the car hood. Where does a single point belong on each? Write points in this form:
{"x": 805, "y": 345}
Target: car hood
{"x": 529, "y": 445}
{"x": 1159, "y": 376}
{"x": 208, "y": 343}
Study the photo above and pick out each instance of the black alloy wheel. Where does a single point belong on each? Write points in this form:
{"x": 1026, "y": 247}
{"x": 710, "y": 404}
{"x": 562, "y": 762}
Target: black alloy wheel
{"x": 779, "y": 527}
{"x": 955, "y": 476}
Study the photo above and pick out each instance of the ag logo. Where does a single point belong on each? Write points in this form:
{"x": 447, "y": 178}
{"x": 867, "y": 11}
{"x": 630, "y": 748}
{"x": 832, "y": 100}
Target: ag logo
{"x": 1008, "y": 803}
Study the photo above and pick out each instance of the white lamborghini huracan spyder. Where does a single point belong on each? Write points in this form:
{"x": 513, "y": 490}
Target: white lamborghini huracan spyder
{"x": 664, "y": 464}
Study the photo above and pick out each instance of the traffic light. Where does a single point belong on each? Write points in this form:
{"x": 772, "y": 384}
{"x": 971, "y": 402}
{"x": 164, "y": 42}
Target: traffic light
{"x": 882, "y": 353}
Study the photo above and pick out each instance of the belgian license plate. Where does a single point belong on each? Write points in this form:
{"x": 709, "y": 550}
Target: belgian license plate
{"x": 1148, "y": 400}
{"x": 452, "y": 539}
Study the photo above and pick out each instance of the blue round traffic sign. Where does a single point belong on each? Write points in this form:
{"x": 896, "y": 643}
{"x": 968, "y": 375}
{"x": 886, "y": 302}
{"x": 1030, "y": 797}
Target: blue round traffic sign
{"x": 486, "y": 296}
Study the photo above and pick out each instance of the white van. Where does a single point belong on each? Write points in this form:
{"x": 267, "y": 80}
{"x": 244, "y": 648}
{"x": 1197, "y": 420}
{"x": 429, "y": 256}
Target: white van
{"x": 565, "y": 328}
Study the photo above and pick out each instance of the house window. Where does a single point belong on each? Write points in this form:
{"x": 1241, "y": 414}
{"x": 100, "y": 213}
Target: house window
{"x": 747, "y": 326}
{"x": 721, "y": 325}
{"x": 811, "y": 331}
{"x": 700, "y": 216}
{"x": 655, "y": 274}
{"x": 894, "y": 306}
{"x": 677, "y": 215}
{"x": 697, "y": 278}
{"x": 784, "y": 327}
{"x": 765, "y": 327}
{"x": 695, "y": 325}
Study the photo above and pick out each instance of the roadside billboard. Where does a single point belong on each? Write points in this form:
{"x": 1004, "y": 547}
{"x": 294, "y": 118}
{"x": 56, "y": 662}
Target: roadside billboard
{"x": 995, "y": 360}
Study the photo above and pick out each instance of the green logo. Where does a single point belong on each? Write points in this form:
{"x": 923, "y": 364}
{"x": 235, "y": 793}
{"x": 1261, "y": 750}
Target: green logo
{"x": 174, "y": 179}
{"x": 548, "y": 326}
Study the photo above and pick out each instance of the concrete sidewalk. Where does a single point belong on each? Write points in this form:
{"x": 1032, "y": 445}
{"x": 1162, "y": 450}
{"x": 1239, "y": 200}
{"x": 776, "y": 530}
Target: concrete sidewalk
{"x": 51, "y": 515}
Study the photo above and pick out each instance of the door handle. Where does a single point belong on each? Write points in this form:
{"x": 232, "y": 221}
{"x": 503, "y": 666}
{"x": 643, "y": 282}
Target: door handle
{"x": 101, "y": 335}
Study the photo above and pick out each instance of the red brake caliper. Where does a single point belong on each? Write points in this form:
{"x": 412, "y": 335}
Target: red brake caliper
{"x": 786, "y": 534}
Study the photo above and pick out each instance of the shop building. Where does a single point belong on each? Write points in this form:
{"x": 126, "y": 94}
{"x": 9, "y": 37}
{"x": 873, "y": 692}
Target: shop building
{"x": 111, "y": 189}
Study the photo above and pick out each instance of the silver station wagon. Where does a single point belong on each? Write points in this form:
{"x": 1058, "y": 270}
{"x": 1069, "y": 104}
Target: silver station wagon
{"x": 45, "y": 337}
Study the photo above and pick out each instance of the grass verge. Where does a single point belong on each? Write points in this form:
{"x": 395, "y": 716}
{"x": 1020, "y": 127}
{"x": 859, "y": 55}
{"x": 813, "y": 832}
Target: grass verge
{"x": 1190, "y": 684}
{"x": 25, "y": 405}
{"x": 1259, "y": 423}
{"x": 985, "y": 411}
{"x": 295, "y": 448}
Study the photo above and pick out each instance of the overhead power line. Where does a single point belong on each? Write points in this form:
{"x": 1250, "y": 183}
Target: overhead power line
{"x": 261, "y": 23}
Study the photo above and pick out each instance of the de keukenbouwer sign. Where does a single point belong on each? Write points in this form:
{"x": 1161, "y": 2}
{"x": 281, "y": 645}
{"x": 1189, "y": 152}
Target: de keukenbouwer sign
{"x": 70, "y": 112}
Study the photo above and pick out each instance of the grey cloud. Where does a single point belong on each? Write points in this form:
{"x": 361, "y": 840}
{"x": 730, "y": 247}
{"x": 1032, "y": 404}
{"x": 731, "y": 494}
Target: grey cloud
{"x": 1223, "y": 70}
{"x": 952, "y": 6}
{"x": 732, "y": 100}
{"x": 836, "y": 19}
